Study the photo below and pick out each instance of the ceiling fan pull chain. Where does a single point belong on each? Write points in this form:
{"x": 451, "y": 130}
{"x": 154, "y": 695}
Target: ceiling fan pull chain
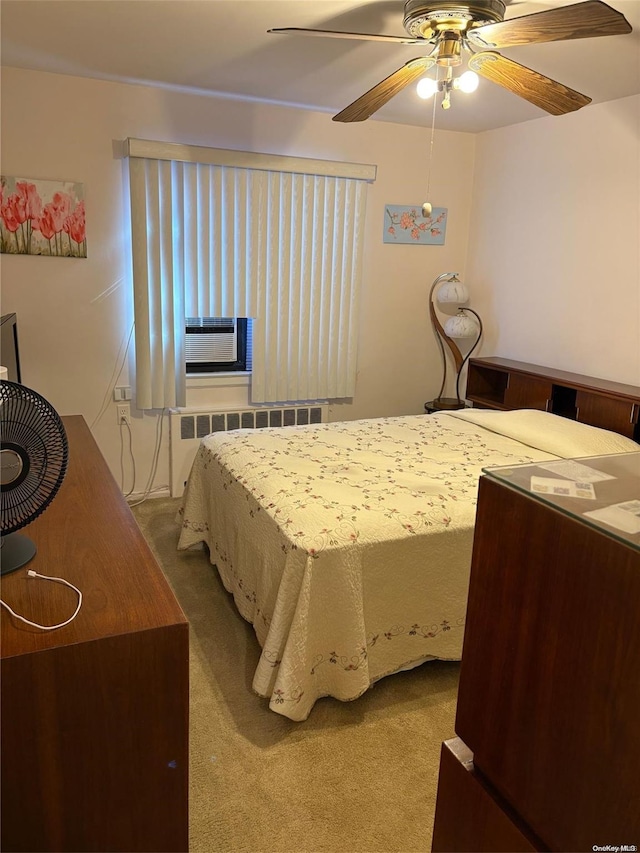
{"x": 427, "y": 207}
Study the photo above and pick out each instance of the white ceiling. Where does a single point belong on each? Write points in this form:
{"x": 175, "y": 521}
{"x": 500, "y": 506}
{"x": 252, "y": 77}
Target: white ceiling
{"x": 222, "y": 46}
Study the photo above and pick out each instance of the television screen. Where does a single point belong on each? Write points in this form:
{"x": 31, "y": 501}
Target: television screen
{"x": 9, "y": 354}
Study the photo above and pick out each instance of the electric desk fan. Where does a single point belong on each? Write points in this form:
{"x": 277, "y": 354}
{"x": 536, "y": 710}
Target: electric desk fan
{"x": 33, "y": 462}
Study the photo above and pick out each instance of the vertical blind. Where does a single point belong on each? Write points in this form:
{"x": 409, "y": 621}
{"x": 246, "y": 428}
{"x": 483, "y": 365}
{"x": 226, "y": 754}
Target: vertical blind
{"x": 282, "y": 245}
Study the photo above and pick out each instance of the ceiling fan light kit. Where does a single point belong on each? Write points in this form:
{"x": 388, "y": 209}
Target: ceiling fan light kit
{"x": 450, "y": 29}
{"x": 428, "y": 86}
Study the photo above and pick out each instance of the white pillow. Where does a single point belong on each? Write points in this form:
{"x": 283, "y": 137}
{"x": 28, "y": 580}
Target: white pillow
{"x": 550, "y": 433}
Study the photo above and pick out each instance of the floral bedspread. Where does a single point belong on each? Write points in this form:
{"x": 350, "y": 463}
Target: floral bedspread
{"x": 347, "y": 545}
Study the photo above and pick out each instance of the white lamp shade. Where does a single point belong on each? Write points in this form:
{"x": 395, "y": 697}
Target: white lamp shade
{"x": 461, "y": 326}
{"x": 452, "y": 292}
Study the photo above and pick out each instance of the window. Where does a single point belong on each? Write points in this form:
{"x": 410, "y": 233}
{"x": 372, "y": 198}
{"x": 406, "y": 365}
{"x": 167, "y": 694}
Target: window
{"x": 218, "y": 344}
{"x": 219, "y": 234}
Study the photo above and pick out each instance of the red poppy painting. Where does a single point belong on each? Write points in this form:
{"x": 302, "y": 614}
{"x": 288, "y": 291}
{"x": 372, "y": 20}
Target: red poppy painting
{"x": 42, "y": 218}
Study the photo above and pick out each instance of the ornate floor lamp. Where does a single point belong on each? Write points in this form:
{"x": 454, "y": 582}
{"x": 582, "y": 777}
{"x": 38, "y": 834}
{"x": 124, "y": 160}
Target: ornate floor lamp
{"x": 449, "y": 290}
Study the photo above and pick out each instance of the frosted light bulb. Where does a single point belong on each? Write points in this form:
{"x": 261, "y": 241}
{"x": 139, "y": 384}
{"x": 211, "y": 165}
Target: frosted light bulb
{"x": 426, "y": 88}
{"x": 468, "y": 82}
{"x": 427, "y": 209}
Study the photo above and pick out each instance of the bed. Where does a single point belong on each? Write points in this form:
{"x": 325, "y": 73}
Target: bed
{"x": 348, "y": 545}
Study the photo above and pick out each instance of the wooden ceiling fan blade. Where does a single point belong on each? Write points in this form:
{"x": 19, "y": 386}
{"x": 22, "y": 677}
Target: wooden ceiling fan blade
{"x": 338, "y": 34}
{"x": 580, "y": 20}
{"x": 378, "y": 96}
{"x": 542, "y": 91}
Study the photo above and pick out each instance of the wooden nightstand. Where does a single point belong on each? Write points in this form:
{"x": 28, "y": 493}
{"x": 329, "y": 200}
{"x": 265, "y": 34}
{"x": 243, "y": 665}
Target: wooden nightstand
{"x": 444, "y": 404}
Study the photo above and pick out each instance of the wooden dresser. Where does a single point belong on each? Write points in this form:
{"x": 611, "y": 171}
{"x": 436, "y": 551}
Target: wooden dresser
{"x": 548, "y": 741}
{"x": 95, "y": 714}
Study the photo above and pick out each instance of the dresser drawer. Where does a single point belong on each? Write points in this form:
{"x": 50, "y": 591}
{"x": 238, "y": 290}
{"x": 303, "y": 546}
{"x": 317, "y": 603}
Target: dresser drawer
{"x": 468, "y": 816}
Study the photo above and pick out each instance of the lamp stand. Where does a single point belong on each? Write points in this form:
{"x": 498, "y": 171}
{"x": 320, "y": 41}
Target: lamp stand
{"x": 440, "y": 403}
{"x": 468, "y": 355}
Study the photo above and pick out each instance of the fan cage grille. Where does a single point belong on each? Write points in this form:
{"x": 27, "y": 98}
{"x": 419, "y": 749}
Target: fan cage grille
{"x": 31, "y": 429}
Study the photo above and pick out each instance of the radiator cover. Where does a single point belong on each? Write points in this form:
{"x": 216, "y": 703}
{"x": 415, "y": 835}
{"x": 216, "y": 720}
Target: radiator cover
{"x": 189, "y": 426}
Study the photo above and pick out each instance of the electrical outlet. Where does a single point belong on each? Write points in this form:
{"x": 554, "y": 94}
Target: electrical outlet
{"x": 124, "y": 413}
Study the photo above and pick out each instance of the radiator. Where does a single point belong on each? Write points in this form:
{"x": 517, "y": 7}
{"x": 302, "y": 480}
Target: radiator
{"x": 189, "y": 426}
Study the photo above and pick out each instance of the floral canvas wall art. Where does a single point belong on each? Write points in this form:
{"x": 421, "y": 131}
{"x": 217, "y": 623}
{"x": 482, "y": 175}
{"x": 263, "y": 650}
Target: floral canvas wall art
{"x": 404, "y": 223}
{"x": 42, "y": 218}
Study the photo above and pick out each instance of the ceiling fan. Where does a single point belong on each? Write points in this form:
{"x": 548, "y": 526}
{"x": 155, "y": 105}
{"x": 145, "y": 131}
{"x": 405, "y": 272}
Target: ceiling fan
{"x": 452, "y": 28}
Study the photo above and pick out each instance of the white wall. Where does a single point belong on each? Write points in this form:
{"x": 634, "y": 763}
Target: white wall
{"x": 554, "y": 257}
{"x": 552, "y": 238}
{"x": 75, "y": 315}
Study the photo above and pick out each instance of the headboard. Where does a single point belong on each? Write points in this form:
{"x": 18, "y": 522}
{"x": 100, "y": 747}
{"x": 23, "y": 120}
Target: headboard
{"x": 498, "y": 383}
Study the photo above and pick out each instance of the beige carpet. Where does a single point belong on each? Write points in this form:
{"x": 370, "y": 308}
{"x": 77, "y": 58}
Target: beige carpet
{"x": 356, "y": 777}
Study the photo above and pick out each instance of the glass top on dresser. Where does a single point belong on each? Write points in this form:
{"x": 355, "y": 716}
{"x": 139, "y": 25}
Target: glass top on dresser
{"x": 601, "y": 491}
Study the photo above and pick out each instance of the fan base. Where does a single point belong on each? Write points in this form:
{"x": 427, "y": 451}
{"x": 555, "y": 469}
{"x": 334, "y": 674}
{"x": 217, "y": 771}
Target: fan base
{"x": 16, "y": 550}
{"x": 426, "y": 18}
